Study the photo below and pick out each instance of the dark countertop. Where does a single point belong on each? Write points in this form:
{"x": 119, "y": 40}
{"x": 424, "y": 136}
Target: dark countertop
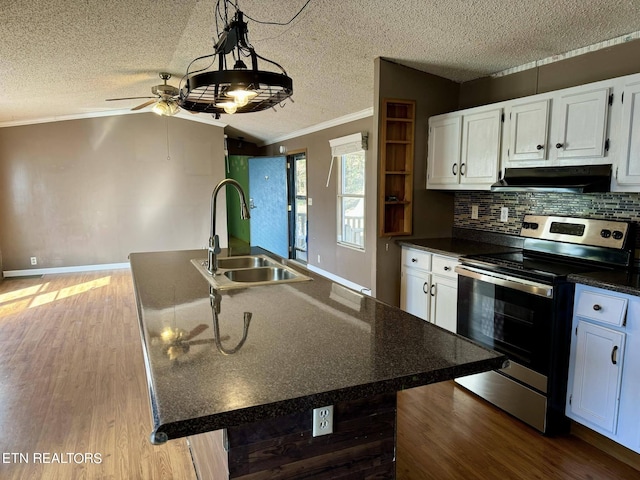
{"x": 623, "y": 281}
{"x": 454, "y": 247}
{"x": 309, "y": 344}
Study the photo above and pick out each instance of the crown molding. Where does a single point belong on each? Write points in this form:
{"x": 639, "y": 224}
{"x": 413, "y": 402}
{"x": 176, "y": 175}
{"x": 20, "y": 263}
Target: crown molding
{"x": 110, "y": 113}
{"x": 368, "y": 112}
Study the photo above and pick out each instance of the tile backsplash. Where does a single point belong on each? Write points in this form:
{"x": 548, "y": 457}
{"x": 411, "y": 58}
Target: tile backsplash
{"x": 610, "y": 206}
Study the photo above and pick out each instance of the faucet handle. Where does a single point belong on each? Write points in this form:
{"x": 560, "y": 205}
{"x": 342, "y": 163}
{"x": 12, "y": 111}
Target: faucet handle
{"x": 216, "y": 245}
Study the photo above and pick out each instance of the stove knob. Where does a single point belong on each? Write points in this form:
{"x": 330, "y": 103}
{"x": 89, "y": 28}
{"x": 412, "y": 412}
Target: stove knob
{"x": 604, "y": 233}
{"x": 533, "y": 225}
{"x": 526, "y": 225}
{"x": 617, "y": 234}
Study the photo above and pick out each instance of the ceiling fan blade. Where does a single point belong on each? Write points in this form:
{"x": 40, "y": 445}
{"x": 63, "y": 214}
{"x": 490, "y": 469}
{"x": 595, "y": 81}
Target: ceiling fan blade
{"x": 196, "y": 331}
{"x": 142, "y": 105}
{"x": 126, "y": 98}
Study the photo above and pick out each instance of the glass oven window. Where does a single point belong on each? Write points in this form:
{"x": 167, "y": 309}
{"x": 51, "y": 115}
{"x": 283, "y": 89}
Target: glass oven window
{"x": 512, "y": 322}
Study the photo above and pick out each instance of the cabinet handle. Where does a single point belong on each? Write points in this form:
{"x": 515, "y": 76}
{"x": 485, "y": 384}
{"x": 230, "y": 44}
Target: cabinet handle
{"x": 431, "y": 290}
{"x": 614, "y": 352}
{"x": 414, "y": 260}
{"x": 461, "y": 167}
{"x": 423, "y": 288}
{"x": 454, "y": 169}
{"x": 559, "y": 145}
{"x": 446, "y": 269}
{"x": 539, "y": 147}
{"x": 597, "y": 307}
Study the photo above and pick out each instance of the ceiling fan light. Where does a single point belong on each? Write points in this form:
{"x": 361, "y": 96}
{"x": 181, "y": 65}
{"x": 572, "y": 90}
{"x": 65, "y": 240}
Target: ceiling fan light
{"x": 241, "y": 96}
{"x": 166, "y": 108}
{"x": 229, "y": 107}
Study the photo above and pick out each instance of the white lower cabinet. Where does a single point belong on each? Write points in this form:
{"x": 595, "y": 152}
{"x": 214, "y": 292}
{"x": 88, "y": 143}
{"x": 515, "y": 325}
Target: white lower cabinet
{"x": 604, "y": 367}
{"x": 429, "y": 287}
{"x": 416, "y": 285}
{"x": 597, "y": 375}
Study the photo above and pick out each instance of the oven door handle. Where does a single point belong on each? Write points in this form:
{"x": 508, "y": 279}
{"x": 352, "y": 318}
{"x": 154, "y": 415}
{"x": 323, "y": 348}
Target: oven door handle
{"x": 527, "y": 286}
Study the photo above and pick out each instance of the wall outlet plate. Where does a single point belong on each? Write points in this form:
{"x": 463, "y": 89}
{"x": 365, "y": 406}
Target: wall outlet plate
{"x": 34, "y": 261}
{"x": 504, "y": 214}
{"x": 322, "y": 421}
{"x": 474, "y": 212}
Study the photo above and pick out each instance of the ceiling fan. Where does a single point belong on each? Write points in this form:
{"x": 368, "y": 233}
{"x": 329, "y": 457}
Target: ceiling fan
{"x": 165, "y": 98}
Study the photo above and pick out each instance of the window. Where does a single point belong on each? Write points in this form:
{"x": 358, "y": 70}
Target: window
{"x": 349, "y": 152}
{"x": 351, "y": 199}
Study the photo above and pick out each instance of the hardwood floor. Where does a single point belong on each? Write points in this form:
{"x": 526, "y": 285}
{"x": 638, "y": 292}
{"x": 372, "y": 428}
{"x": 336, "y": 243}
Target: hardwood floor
{"x": 72, "y": 382}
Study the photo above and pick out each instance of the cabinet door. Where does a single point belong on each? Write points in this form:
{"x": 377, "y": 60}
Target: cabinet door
{"x": 480, "y": 156}
{"x": 444, "y": 302}
{"x": 414, "y": 292}
{"x": 528, "y": 132}
{"x": 444, "y": 150}
{"x": 596, "y": 377}
{"x": 580, "y": 120}
{"x": 628, "y": 168}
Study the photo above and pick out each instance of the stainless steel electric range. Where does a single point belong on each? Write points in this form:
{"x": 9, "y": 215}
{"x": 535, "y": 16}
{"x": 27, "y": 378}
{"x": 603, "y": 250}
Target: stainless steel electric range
{"x": 520, "y": 303}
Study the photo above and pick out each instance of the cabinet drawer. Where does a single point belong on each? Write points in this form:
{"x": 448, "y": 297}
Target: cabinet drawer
{"x": 444, "y": 266}
{"x": 601, "y": 307}
{"x": 416, "y": 259}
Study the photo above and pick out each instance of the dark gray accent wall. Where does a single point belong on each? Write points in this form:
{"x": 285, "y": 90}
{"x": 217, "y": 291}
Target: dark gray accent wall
{"x": 616, "y": 61}
{"x": 432, "y": 210}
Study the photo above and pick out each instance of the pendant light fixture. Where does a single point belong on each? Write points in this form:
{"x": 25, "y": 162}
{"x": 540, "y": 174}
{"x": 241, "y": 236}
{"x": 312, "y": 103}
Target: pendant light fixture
{"x": 238, "y": 89}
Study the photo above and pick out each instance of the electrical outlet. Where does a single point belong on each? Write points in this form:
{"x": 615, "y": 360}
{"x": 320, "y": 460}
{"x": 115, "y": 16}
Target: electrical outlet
{"x": 34, "y": 261}
{"x": 474, "y": 212}
{"x": 504, "y": 214}
{"x": 318, "y": 258}
{"x": 322, "y": 421}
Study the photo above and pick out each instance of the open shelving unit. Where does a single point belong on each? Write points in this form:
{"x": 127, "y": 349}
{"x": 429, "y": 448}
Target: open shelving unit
{"x": 396, "y": 167}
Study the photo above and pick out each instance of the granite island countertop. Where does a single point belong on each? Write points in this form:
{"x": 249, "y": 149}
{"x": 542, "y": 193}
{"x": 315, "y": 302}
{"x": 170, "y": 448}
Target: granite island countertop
{"x": 309, "y": 344}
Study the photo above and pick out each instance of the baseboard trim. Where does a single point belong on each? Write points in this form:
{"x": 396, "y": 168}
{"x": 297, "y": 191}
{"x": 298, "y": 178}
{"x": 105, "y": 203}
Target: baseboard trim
{"x": 74, "y": 269}
{"x": 340, "y": 280}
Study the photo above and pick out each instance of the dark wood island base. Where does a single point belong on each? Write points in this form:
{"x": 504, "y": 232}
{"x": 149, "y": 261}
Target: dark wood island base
{"x": 362, "y": 446}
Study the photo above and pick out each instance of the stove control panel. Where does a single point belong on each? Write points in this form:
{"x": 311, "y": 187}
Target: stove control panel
{"x": 583, "y": 231}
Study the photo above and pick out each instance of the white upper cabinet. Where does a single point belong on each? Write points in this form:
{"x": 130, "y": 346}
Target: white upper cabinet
{"x": 528, "y": 132}
{"x": 565, "y": 127}
{"x": 445, "y": 134}
{"x": 464, "y": 149}
{"x": 480, "y": 157}
{"x": 628, "y": 165}
{"x": 580, "y": 123}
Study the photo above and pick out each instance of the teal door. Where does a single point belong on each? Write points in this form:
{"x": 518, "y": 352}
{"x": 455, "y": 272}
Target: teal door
{"x": 268, "y": 204}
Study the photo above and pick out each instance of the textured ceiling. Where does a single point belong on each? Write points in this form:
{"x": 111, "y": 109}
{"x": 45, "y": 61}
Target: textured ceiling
{"x": 61, "y": 58}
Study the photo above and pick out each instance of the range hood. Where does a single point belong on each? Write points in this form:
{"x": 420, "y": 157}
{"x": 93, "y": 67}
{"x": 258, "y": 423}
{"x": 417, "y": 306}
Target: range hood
{"x": 578, "y": 179}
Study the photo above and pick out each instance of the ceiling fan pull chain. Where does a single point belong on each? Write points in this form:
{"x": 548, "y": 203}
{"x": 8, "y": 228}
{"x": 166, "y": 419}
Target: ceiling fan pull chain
{"x": 168, "y": 153}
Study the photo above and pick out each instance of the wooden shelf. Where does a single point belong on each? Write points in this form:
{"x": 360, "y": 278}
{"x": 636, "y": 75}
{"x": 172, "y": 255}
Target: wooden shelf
{"x": 396, "y": 167}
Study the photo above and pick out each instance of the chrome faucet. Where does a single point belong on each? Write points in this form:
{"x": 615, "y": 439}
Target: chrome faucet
{"x": 214, "y": 240}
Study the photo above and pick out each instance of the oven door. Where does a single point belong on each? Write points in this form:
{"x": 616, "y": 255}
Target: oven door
{"x": 510, "y": 315}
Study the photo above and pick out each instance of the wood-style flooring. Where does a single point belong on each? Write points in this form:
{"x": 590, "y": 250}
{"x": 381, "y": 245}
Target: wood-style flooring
{"x": 72, "y": 382}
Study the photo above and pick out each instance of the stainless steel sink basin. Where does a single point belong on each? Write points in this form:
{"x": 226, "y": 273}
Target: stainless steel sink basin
{"x": 252, "y": 261}
{"x": 262, "y": 274}
{"x": 247, "y": 271}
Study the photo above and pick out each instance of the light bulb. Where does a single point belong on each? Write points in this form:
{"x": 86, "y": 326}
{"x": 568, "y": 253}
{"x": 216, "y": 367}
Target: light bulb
{"x": 166, "y": 108}
{"x": 229, "y": 107}
{"x": 241, "y": 96}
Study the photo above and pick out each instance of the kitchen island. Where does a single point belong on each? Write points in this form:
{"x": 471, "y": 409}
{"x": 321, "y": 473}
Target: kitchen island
{"x": 246, "y": 406}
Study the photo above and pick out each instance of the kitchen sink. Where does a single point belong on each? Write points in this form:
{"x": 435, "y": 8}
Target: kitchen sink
{"x": 262, "y": 274}
{"x": 247, "y": 271}
{"x": 251, "y": 261}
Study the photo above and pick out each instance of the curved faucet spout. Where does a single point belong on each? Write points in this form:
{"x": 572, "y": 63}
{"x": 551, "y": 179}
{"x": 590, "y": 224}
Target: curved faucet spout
{"x": 214, "y": 241}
